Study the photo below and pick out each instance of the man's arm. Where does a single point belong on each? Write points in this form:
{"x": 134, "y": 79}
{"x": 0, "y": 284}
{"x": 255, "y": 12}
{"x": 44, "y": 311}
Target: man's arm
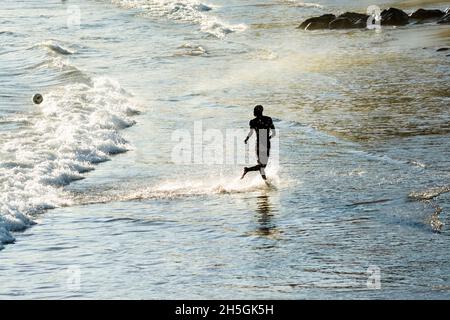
{"x": 273, "y": 131}
{"x": 250, "y": 133}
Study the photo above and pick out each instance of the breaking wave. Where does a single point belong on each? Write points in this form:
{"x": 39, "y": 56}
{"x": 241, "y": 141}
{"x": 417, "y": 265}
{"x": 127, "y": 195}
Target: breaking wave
{"x": 75, "y": 127}
{"x": 185, "y": 11}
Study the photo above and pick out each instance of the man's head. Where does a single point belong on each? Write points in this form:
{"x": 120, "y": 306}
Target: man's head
{"x": 258, "y": 111}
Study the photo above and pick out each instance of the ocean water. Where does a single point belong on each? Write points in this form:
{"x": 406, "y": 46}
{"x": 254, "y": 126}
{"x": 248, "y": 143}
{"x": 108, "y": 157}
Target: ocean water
{"x": 93, "y": 205}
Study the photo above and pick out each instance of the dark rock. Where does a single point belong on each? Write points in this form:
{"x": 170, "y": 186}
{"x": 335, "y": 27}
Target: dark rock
{"x": 442, "y": 49}
{"x": 445, "y": 19}
{"x": 317, "y": 22}
{"x": 358, "y": 20}
{"x": 423, "y": 14}
{"x": 344, "y": 23}
{"x": 354, "y": 16}
{"x": 394, "y": 17}
{"x": 341, "y": 23}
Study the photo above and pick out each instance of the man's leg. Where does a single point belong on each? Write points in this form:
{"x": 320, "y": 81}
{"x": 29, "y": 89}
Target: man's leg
{"x": 262, "y": 171}
{"x": 248, "y": 169}
{"x": 262, "y": 161}
{"x": 254, "y": 168}
{"x": 259, "y": 167}
{"x": 262, "y": 154}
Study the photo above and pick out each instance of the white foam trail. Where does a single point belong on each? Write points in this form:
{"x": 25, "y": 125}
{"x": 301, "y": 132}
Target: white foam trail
{"x": 173, "y": 189}
{"x": 216, "y": 185}
{"x": 75, "y": 127}
{"x": 429, "y": 193}
{"x": 187, "y": 11}
{"x": 189, "y": 49}
{"x": 298, "y": 3}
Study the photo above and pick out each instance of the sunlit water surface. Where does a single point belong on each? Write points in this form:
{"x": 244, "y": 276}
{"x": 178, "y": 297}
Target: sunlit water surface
{"x": 89, "y": 190}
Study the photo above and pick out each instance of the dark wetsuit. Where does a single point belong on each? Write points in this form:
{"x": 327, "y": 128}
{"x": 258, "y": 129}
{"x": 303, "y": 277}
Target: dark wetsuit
{"x": 262, "y": 125}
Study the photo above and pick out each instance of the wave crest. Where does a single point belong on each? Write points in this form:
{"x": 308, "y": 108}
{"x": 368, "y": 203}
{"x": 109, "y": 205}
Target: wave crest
{"x": 75, "y": 127}
{"x": 185, "y": 11}
{"x": 56, "y": 47}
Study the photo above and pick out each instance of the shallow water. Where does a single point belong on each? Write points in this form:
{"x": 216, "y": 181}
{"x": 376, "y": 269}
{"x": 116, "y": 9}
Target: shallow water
{"x": 89, "y": 190}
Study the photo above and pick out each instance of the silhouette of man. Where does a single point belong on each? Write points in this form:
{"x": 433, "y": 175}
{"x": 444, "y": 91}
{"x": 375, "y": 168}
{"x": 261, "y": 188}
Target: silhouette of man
{"x": 265, "y": 130}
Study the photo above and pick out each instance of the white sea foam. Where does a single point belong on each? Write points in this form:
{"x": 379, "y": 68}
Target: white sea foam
{"x": 430, "y": 193}
{"x": 179, "y": 188}
{"x": 56, "y": 47}
{"x": 299, "y": 3}
{"x": 216, "y": 185}
{"x": 186, "y": 11}
{"x": 75, "y": 127}
{"x": 189, "y": 49}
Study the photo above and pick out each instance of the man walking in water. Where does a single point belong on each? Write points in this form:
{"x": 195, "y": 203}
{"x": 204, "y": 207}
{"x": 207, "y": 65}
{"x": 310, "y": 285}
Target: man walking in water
{"x": 262, "y": 125}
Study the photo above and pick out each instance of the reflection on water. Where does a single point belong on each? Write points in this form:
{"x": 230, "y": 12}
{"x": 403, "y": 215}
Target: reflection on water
{"x": 265, "y": 213}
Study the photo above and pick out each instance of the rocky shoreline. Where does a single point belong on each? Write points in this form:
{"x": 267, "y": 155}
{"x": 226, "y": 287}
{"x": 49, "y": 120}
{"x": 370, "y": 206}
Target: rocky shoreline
{"x": 389, "y": 17}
